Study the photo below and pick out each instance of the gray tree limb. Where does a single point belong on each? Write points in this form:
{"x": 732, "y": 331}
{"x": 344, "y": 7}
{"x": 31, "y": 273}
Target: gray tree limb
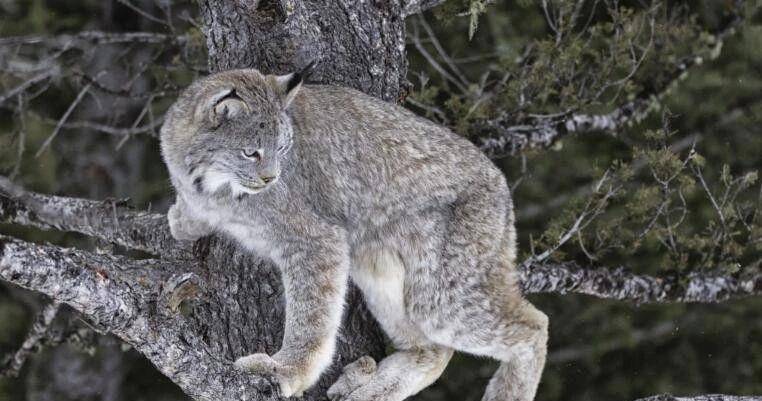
{"x": 119, "y": 296}
{"x": 42, "y": 322}
{"x": 707, "y": 397}
{"x": 109, "y": 220}
{"x": 94, "y": 37}
{"x": 619, "y": 284}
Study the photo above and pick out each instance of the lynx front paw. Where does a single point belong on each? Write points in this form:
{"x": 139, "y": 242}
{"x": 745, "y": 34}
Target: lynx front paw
{"x": 183, "y": 228}
{"x": 288, "y": 378}
{"x": 356, "y": 374}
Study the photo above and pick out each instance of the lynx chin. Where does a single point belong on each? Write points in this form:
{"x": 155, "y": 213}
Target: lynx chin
{"x": 334, "y": 185}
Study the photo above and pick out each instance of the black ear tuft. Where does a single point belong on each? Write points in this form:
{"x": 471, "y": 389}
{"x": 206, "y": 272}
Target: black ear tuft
{"x": 301, "y": 76}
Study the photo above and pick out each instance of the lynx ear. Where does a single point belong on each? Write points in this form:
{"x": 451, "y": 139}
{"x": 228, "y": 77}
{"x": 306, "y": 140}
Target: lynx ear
{"x": 290, "y": 84}
{"x": 223, "y": 105}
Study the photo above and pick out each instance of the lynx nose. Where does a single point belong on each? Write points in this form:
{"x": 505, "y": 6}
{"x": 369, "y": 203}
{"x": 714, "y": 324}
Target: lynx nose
{"x": 268, "y": 179}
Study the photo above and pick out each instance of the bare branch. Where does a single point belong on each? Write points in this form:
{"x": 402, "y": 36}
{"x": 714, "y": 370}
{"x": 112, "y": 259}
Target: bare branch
{"x": 143, "y": 13}
{"x": 92, "y": 283}
{"x": 411, "y": 7}
{"x": 63, "y": 119}
{"x": 95, "y": 37}
{"x": 26, "y": 84}
{"x": 708, "y": 397}
{"x": 150, "y": 129}
{"x": 620, "y": 284}
{"x": 12, "y": 366}
{"x": 109, "y": 220}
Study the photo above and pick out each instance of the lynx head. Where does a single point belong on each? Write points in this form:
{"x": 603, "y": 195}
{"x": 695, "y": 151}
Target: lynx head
{"x": 231, "y": 130}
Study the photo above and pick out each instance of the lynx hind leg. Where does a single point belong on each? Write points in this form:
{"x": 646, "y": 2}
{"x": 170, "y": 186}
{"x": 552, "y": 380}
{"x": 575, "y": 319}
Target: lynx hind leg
{"x": 517, "y": 337}
{"x": 522, "y": 357}
{"x": 399, "y": 376}
{"x": 380, "y": 274}
{"x": 482, "y": 311}
{"x": 353, "y": 376}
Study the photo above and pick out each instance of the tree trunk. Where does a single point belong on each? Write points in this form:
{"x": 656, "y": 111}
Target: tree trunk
{"x": 361, "y": 46}
{"x": 355, "y": 44}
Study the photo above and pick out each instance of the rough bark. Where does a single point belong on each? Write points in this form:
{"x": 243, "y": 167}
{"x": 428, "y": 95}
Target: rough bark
{"x": 121, "y": 296}
{"x": 562, "y": 278}
{"x": 707, "y": 397}
{"x": 355, "y": 44}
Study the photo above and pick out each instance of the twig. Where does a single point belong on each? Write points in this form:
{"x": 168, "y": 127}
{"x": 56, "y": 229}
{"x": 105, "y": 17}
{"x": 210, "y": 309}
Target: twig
{"x": 26, "y": 84}
{"x": 63, "y": 119}
{"x": 40, "y": 327}
{"x": 707, "y": 397}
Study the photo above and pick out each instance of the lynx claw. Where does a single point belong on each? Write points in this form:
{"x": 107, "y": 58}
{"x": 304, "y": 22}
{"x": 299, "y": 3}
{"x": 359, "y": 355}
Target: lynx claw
{"x": 263, "y": 364}
{"x": 257, "y": 363}
{"x": 356, "y": 375}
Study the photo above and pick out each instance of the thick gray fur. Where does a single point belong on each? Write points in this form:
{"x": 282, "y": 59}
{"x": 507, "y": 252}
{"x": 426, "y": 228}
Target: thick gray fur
{"x": 359, "y": 189}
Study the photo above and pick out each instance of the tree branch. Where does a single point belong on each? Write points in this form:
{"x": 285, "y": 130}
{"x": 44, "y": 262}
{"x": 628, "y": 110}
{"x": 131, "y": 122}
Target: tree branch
{"x": 39, "y": 330}
{"x": 119, "y": 296}
{"x": 619, "y": 284}
{"x": 94, "y": 37}
{"x": 707, "y": 397}
{"x": 505, "y": 137}
{"x": 411, "y": 7}
{"x": 109, "y": 220}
